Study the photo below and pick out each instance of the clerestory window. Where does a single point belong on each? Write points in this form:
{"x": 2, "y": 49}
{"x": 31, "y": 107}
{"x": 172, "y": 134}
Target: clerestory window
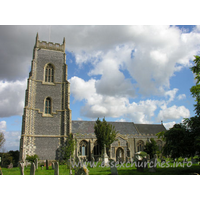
{"x": 49, "y": 74}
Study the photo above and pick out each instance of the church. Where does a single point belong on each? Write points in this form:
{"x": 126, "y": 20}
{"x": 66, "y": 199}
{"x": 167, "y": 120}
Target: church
{"x": 46, "y": 120}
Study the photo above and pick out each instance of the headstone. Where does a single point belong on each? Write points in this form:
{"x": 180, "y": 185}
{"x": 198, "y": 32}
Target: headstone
{"x": 42, "y": 167}
{"x": 53, "y": 165}
{"x": 10, "y": 166}
{"x": 36, "y": 163}
{"x": 145, "y": 163}
{"x": 70, "y": 172}
{"x": 1, "y": 173}
{"x": 32, "y": 172}
{"x": 92, "y": 162}
{"x": 47, "y": 164}
{"x": 56, "y": 169}
{"x": 26, "y": 163}
{"x": 113, "y": 168}
{"x": 140, "y": 165}
{"x": 21, "y": 167}
{"x": 152, "y": 165}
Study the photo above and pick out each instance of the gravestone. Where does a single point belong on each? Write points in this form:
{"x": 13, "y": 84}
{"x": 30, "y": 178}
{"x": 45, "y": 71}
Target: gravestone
{"x": 53, "y": 165}
{"x": 145, "y": 162}
{"x": 32, "y": 172}
{"x": 10, "y": 166}
{"x": 92, "y": 162}
{"x": 140, "y": 165}
{"x": 26, "y": 163}
{"x": 21, "y": 167}
{"x": 36, "y": 163}
{"x": 70, "y": 172}
{"x": 152, "y": 165}
{"x": 194, "y": 161}
{"x": 42, "y": 167}
{"x": 1, "y": 173}
{"x": 47, "y": 164}
{"x": 56, "y": 169}
{"x": 113, "y": 168}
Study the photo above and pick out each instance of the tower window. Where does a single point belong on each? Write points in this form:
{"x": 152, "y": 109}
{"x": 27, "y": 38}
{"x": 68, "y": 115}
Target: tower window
{"x": 49, "y": 73}
{"x": 48, "y": 106}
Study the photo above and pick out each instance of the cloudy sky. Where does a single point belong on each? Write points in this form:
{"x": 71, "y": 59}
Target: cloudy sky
{"x": 123, "y": 73}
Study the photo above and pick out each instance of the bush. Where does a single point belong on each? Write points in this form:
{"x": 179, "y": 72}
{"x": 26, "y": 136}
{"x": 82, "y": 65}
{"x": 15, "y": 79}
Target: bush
{"x": 31, "y": 158}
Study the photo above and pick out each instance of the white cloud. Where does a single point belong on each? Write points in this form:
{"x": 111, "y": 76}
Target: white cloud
{"x": 169, "y": 125}
{"x": 171, "y": 94}
{"x": 12, "y": 97}
{"x": 173, "y": 113}
{"x": 181, "y": 96}
{"x": 12, "y": 140}
{"x": 2, "y": 125}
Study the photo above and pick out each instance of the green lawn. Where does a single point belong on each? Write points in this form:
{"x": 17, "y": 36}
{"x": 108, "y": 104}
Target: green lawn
{"x": 123, "y": 170}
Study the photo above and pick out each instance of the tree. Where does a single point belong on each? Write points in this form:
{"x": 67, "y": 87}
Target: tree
{"x": 179, "y": 142}
{"x": 69, "y": 148}
{"x": 105, "y": 133}
{"x": 151, "y": 147}
{"x": 193, "y": 123}
{"x": 184, "y": 139}
{"x": 2, "y": 139}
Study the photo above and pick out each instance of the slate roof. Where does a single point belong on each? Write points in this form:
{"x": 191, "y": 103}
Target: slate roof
{"x": 150, "y": 128}
{"x": 87, "y": 127}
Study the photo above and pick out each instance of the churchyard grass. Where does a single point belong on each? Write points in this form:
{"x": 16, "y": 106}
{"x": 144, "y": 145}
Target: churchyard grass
{"x": 122, "y": 170}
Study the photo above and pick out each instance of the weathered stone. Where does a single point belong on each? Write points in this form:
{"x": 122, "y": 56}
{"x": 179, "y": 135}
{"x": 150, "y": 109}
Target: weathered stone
{"x": 10, "y": 166}
{"x": 53, "y": 165}
{"x": 47, "y": 164}
{"x": 36, "y": 163}
{"x": 1, "y": 173}
{"x": 114, "y": 170}
{"x": 32, "y": 171}
{"x": 56, "y": 169}
{"x": 21, "y": 167}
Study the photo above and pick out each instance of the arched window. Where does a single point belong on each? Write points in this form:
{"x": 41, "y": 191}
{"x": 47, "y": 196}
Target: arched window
{"x": 140, "y": 146}
{"x": 83, "y": 148}
{"x": 49, "y": 73}
{"x": 48, "y": 105}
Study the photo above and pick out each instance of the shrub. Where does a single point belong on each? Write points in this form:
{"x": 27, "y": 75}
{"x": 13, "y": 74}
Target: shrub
{"x": 31, "y": 158}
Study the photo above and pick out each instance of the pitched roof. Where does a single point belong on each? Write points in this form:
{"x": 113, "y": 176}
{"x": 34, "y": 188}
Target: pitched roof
{"x": 85, "y": 127}
{"x": 150, "y": 128}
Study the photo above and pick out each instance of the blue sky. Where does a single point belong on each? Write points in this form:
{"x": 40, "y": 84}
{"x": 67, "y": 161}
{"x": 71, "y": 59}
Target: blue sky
{"x": 125, "y": 73}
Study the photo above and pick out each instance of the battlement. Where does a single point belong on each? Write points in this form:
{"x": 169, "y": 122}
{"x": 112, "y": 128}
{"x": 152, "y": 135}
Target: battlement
{"x": 49, "y": 45}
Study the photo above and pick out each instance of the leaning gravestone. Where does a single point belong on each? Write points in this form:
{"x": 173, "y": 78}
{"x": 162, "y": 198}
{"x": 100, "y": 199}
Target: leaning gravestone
{"x": 47, "y": 164}
{"x": 92, "y": 162}
{"x": 32, "y": 172}
{"x": 56, "y": 169}
{"x": 21, "y": 167}
{"x": 36, "y": 163}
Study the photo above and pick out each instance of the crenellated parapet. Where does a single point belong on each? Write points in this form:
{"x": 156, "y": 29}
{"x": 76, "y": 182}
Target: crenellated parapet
{"x": 49, "y": 45}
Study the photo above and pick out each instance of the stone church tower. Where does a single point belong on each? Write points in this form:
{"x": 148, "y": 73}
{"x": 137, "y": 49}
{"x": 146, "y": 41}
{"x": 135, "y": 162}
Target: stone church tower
{"x": 46, "y": 120}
